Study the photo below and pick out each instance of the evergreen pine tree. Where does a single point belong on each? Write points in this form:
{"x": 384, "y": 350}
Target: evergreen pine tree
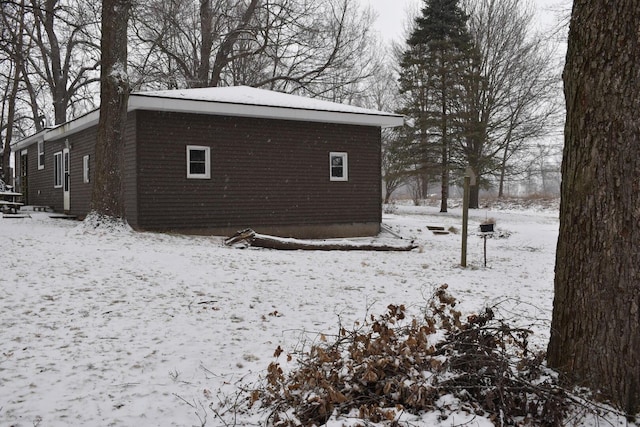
{"x": 435, "y": 69}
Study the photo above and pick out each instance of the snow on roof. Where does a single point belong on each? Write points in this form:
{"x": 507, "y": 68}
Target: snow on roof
{"x": 252, "y": 102}
{"x": 242, "y": 101}
{"x": 252, "y": 96}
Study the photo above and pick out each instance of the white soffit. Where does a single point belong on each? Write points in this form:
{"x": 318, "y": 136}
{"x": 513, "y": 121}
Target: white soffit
{"x": 251, "y": 102}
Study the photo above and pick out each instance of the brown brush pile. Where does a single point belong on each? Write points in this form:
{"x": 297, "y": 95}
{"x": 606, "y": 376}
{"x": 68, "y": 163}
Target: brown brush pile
{"x": 393, "y": 365}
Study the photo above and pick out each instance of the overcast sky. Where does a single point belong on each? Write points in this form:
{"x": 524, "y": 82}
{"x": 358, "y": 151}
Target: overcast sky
{"x": 392, "y": 14}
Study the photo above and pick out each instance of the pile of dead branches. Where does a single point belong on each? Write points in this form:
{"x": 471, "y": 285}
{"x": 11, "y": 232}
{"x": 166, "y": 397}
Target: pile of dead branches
{"x": 393, "y": 365}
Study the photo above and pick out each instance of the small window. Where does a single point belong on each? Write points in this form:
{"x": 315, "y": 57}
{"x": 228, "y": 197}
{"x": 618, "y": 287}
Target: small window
{"x": 338, "y": 167}
{"x": 85, "y": 169}
{"x": 40, "y": 155}
{"x": 198, "y": 162}
{"x": 57, "y": 169}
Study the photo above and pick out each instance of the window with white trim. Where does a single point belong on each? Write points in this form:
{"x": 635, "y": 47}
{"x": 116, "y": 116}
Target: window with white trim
{"x": 338, "y": 167}
{"x": 40, "y": 155}
{"x": 198, "y": 162}
{"x": 85, "y": 169}
{"x": 57, "y": 170}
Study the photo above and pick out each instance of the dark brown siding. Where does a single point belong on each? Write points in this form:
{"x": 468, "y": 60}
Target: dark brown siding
{"x": 40, "y": 182}
{"x": 130, "y": 171}
{"x": 264, "y": 173}
{"x": 80, "y": 144}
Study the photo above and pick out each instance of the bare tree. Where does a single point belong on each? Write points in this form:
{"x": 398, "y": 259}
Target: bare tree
{"x": 595, "y": 330}
{"x": 320, "y": 48}
{"x": 64, "y": 34}
{"x": 12, "y": 28}
{"x": 516, "y": 101}
{"x": 108, "y": 192}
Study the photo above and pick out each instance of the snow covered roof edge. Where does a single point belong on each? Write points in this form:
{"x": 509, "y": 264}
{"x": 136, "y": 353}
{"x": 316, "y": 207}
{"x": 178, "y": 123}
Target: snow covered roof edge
{"x": 254, "y": 96}
{"x": 254, "y": 102}
{"x": 241, "y": 101}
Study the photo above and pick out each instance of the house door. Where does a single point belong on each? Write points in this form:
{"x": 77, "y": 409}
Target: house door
{"x": 65, "y": 179}
{"x": 23, "y": 180}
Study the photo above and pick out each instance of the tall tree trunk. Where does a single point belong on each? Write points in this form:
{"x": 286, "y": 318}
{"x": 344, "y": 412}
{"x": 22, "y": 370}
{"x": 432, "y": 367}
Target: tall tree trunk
{"x": 474, "y": 196}
{"x": 503, "y": 173}
{"x": 223, "y": 57}
{"x": 11, "y": 96}
{"x": 11, "y": 115}
{"x": 108, "y": 192}
{"x": 58, "y": 82}
{"x": 206, "y": 33}
{"x": 444, "y": 190}
{"x": 595, "y": 331}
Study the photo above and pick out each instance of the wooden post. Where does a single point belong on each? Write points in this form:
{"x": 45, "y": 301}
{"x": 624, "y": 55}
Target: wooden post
{"x": 485, "y": 249}
{"x": 465, "y": 220}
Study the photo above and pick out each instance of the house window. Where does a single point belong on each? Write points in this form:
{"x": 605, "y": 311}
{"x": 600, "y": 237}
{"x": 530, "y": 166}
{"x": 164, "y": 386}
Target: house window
{"x": 40, "y": 155}
{"x": 338, "y": 167}
{"x": 85, "y": 169}
{"x": 198, "y": 162}
{"x": 57, "y": 170}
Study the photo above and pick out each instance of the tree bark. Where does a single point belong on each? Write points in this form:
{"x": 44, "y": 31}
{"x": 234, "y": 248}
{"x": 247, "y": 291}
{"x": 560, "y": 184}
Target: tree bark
{"x": 595, "y": 331}
{"x": 13, "y": 85}
{"x": 474, "y": 196}
{"x": 223, "y": 57}
{"x": 206, "y": 33}
{"x": 108, "y": 192}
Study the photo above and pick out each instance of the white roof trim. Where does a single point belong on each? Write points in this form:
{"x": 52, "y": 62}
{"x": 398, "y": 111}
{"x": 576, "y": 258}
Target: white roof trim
{"x": 68, "y": 128}
{"x": 144, "y": 102}
{"x": 239, "y": 101}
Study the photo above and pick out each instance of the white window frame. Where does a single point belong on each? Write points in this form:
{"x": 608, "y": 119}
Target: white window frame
{"x": 345, "y": 166}
{"x": 207, "y": 162}
{"x": 85, "y": 169}
{"x": 57, "y": 170}
{"x": 40, "y": 155}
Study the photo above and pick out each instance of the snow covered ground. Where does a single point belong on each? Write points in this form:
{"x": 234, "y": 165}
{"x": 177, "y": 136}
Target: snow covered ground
{"x": 121, "y": 328}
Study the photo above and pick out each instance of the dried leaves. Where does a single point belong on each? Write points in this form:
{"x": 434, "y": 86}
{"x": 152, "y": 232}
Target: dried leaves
{"x": 392, "y": 365}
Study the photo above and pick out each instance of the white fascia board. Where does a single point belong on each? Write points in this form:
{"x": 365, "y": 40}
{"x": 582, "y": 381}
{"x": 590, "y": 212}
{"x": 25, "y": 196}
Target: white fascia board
{"x": 65, "y": 129}
{"x": 73, "y": 126}
{"x": 141, "y": 102}
{"x": 24, "y": 143}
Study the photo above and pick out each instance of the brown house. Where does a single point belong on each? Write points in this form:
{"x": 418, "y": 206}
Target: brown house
{"x": 216, "y": 160}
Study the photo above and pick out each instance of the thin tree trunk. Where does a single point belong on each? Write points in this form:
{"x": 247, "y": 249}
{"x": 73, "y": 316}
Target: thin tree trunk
{"x": 18, "y": 61}
{"x": 595, "y": 331}
{"x": 108, "y": 192}
{"x": 503, "y": 170}
{"x": 445, "y": 149}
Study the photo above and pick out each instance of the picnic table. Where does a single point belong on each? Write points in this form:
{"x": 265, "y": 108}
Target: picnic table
{"x": 9, "y": 201}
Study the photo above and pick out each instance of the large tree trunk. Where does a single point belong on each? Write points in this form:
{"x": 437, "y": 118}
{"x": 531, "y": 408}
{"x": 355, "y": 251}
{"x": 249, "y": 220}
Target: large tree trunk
{"x": 206, "y": 33}
{"x": 595, "y": 332}
{"x": 108, "y": 192}
{"x": 474, "y": 196}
